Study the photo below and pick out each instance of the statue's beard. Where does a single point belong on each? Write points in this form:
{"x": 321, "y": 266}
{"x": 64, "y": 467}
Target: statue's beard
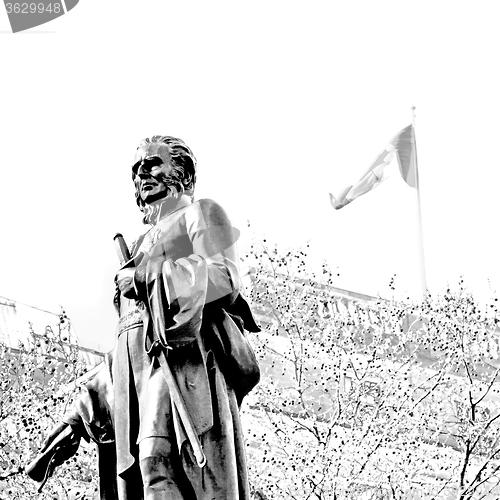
{"x": 174, "y": 189}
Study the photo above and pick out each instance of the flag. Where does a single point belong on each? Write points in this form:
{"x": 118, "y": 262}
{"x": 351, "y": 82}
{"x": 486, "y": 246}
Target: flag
{"x": 402, "y": 146}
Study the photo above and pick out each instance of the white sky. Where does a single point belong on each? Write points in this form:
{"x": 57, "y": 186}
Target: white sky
{"x": 281, "y": 102}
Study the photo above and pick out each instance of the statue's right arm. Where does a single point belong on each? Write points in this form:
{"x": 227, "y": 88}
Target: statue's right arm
{"x": 90, "y": 418}
{"x": 92, "y": 409}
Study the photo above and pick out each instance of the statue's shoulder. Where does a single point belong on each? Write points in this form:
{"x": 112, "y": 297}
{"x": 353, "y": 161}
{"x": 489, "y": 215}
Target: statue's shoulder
{"x": 206, "y": 205}
{"x": 209, "y": 211}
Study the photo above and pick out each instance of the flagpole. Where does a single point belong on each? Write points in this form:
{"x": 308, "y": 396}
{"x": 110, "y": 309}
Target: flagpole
{"x": 423, "y": 280}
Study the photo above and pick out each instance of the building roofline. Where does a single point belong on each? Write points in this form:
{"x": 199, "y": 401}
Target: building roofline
{"x": 316, "y": 284}
{"x": 11, "y": 302}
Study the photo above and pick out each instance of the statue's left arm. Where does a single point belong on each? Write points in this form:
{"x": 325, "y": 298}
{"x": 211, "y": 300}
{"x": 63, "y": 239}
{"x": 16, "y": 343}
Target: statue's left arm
{"x": 214, "y": 239}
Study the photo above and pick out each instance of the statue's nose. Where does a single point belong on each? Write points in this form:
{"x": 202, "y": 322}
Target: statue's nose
{"x": 143, "y": 171}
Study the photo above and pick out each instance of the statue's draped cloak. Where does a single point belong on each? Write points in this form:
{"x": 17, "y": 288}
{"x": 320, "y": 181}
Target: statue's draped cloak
{"x": 188, "y": 286}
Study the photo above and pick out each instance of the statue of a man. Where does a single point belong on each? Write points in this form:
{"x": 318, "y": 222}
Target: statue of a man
{"x": 164, "y": 407}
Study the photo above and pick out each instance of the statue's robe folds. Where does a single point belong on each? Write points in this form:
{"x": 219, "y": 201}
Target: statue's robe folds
{"x": 190, "y": 305}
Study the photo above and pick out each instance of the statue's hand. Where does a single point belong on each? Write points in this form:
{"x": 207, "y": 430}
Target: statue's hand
{"x": 61, "y": 444}
{"x": 125, "y": 282}
{"x": 65, "y": 439}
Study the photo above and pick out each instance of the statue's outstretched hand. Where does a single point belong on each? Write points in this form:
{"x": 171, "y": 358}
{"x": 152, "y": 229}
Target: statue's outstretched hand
{"x": 61, "y": 444}
{"x": 65, "y": 439}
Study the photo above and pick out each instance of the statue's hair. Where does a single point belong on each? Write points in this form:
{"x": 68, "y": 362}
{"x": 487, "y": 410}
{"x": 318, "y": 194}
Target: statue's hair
{"x": 183, "y": 164}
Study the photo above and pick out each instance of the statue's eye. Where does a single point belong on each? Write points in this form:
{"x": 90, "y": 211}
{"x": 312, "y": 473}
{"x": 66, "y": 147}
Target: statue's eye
{"x": 147, "y": 164}
{"x": 154, "y": 161}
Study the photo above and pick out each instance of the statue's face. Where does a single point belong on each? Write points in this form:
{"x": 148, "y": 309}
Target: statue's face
{"x": 152, "y": 166}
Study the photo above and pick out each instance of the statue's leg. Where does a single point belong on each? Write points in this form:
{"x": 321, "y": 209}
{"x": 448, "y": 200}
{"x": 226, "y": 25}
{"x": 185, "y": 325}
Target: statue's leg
{"x": 162, "y": 474}
{"x": 224, "y": 476}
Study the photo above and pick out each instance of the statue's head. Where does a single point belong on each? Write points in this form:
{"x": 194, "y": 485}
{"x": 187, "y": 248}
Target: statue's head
{"x": 164, "y": 168}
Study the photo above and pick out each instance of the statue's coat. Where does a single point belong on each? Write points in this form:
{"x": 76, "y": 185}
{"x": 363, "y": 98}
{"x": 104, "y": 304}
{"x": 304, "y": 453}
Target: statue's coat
{"x": 187, "y": 277}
